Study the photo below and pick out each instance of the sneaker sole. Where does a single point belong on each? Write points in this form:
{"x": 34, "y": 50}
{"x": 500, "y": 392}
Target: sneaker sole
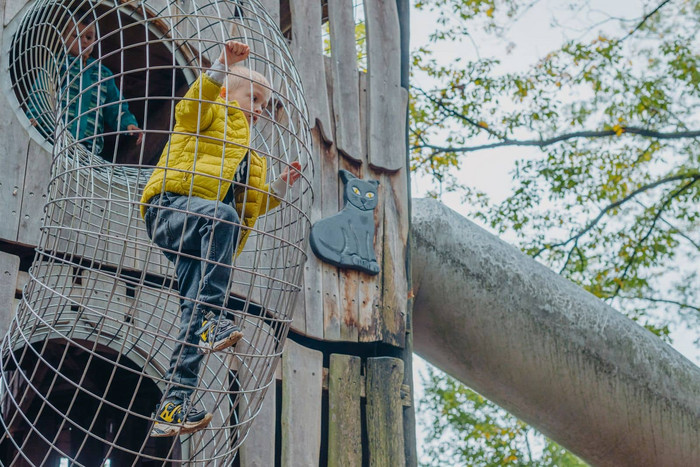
{"x": 166, "y": 430}
{"x": 223, "y": 344}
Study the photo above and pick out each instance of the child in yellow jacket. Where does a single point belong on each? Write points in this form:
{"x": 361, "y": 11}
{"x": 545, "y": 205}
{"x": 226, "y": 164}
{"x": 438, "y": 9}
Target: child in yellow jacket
{"x": 188, "y": 208}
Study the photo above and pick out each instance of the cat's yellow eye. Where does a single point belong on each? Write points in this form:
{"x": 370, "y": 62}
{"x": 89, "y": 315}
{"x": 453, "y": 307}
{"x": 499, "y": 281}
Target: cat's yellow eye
{"x": 370, "y": 195}
{"x": 356, "y": 190}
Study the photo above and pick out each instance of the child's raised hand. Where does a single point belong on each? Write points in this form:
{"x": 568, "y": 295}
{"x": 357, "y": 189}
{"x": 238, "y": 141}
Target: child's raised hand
{"x": 291, "y": 176}
{"x": 234, "y": 52}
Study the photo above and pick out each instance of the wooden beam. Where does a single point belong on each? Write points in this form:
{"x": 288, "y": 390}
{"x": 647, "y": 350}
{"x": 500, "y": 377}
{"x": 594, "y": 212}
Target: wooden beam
{"x": 344, "y": 416}
{"x": 302, "y": 372}
{"x": 385, "y": 412}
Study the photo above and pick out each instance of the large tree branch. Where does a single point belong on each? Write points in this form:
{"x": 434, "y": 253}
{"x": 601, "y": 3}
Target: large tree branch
{"x": 564, "y": 137}
{"x": 693, "y": 176}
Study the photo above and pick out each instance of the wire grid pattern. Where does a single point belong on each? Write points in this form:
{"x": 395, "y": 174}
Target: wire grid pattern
{"x": 83, "y": 362}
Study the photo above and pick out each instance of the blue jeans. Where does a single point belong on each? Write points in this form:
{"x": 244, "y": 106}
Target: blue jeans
{"x": 203, "y": 229}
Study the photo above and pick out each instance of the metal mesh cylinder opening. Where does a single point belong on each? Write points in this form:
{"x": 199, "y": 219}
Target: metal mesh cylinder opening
{"x": 84, "y": 363}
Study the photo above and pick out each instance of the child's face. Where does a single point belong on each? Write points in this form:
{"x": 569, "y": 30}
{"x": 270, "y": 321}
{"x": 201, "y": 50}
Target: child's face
{"x": 251, "y": 99}
{"x": 80, "y": 39}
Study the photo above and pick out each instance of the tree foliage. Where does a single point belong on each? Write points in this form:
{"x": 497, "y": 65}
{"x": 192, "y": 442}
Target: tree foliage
{"x": 487, "y": 435}
{"x": 608, "y": 189}
{"x": 611, "y": 200}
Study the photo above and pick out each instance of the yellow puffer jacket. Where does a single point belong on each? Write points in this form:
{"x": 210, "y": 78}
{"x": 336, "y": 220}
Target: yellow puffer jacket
{"x": 192, "y": 165}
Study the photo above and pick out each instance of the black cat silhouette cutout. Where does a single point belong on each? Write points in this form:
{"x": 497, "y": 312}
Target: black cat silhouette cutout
{"x": 346, "y": 239}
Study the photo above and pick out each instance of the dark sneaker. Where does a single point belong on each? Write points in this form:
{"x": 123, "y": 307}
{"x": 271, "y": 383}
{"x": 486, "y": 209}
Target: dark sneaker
{"x": 175, "y": 417}
{"x": 218, "y": 334}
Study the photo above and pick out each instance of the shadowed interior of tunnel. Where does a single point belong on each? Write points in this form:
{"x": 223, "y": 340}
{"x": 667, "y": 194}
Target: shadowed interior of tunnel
{"x": 105, "y": 418}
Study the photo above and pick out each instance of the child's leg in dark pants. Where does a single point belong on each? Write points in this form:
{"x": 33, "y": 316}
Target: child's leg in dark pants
{"x": 202, "y": 229}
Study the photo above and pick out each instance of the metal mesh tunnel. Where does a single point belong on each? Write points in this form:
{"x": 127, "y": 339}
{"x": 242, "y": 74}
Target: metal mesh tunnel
{"x": 84, "y": 361}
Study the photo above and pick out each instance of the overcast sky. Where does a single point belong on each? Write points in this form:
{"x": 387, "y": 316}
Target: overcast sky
{"x": 530, "y": 38}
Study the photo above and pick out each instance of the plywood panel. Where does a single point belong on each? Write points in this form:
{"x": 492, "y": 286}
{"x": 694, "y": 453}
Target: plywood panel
{"x": 386, "y": 112}
{"x": 258, "y": 450}
{"x": 13, "y": 160}
{"x": 11, "y": 8}
{"x": 385, "y": 412}
{"x": 302, "y": 378}
{"x": 344, "y": 415}
{"x": 313, "y": 270}
{"x": 9, "y": 271}
{"x": 308, "y": 56}
{"x": 34, "y": 194}
{"x": 346, "y": 98}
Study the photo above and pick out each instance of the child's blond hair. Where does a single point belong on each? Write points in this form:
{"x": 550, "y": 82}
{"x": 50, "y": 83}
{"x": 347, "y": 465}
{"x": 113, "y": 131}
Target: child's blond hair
{"x": 242, "y": 76}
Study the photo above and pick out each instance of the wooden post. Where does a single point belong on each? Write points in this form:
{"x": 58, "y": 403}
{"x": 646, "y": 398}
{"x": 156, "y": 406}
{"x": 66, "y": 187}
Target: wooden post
{"x": 344, "y": 418}
{"x": 385, "y": 412}
{"x": 302, "y": 374}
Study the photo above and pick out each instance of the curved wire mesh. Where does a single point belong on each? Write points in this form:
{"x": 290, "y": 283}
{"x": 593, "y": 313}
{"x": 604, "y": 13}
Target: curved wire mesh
{"x": 83, "y": 363}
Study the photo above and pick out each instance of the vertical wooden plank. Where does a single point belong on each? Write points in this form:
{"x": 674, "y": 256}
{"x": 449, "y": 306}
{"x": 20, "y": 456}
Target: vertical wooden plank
{"x": 330, "y": 205}
{"x": 34, "y": 194}
{"x": 11, "y": 8}
{"x": 344, "y": 417}
{"x": 385, "y": 412}
{"x": 364, "y": 144}
{"x": 313, "y": 270}
{"x": 349, "y": 285}
{"x": 273, "y": 9}
{"x": 258, "y": 450}
{"x": 308, "y": 56}
{"x": 392, "y": 239}
{"x": 13, "y": 157}
{"x": 355, "y": 315}
{"x": 349, "y": 281}
{"x": 387, "y": 114}
{"x": 9, "y": 272}
{"x": 371, "y": 325}
{"x": 346, "y": 95}
{"x": 300, "y": 307}
{"x": 22, "y": 280}
{"x": 302, "y": 379}
{"x": 13, "y": 160}
{"x": 253, "y": 376}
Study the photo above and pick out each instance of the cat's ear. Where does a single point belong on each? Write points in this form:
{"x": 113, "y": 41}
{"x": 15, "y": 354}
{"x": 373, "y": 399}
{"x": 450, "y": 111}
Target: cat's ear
{"x": 345, "y": 175}
{"x": 374, "y": 182}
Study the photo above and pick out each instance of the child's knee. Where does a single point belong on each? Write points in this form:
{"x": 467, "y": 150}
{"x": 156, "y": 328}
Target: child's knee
{"x": 227, "y": 213}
